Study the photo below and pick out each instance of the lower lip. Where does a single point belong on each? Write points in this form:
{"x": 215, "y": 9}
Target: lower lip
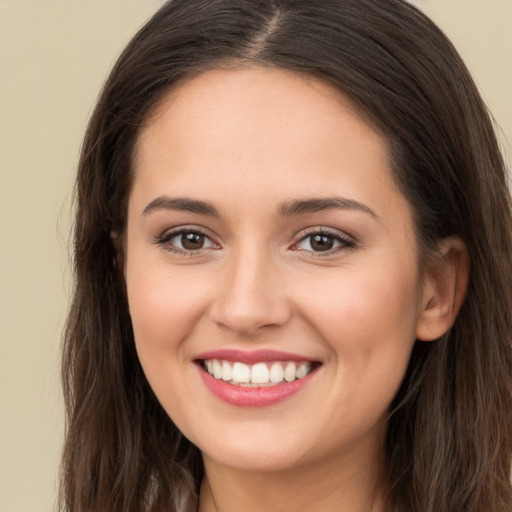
{"x": 243, "y": 396}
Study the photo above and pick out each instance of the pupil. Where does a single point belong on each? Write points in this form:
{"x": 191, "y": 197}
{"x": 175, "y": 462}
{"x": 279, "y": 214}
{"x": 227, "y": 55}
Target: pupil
{"x": 192, "y": 241}
{"x": 322, "y": 242}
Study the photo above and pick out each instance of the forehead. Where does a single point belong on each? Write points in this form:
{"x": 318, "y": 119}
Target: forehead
{"x": 255, "y": 104}
{"x": 262, "y": 130}
{"x": 255, "y": 101}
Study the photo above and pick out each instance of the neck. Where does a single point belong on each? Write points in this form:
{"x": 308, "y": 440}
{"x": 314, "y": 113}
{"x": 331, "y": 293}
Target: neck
{"x": 341, "y": 484}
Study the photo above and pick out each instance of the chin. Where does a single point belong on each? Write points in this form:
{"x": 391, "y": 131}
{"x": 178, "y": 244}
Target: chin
{"x": 254, "y": 458}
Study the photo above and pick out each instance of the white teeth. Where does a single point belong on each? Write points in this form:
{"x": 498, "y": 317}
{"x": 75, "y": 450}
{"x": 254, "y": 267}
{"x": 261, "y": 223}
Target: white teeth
{"x": 302, "y": 371}
{"x": 289, "y": 372}
{"x": 217, "y": 369}
{"x": 241, "y": 373}
{"x": 227, "y": 371}
{"x": 276, "y": 373}
{"x": 259, "y": 374}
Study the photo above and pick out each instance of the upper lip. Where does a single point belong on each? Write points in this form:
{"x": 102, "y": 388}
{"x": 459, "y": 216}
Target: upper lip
{"x": 252, "y": 356}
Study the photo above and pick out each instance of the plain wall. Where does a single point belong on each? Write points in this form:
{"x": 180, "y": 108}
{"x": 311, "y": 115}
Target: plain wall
{"x": 54, "y": 56}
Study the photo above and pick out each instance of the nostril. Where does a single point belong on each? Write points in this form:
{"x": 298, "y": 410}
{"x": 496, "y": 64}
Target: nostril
{"x": 251, "y": 316}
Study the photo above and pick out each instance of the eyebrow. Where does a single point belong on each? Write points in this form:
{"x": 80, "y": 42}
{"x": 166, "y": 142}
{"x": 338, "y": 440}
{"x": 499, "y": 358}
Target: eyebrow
{"x": 287, "y": 209}
{"x": 181, "y": 204}
{"x": 313, "y": 205}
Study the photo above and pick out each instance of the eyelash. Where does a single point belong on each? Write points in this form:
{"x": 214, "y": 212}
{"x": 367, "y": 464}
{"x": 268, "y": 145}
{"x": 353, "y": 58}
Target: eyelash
{"x": 344, "y": 242}
{"x": 166, "y": 238}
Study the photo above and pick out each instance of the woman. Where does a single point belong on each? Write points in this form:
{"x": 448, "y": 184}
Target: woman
{"x": 292, "y": 254}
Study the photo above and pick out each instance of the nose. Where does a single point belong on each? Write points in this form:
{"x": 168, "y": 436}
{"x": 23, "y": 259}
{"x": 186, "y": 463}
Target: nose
{"x": 251, "y": 295}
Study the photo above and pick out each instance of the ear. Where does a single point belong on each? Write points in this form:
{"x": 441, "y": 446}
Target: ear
{"x": 444, "y": 289}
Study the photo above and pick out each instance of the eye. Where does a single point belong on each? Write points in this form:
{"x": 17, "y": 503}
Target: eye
{"x": 322, "y": 241}
{"x": 188, "y": 240}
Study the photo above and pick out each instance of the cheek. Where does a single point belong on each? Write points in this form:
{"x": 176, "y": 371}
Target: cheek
{"x": 361, "y": 300}
{"x": 165, "y": 307}
{"x": 368, "y": 319}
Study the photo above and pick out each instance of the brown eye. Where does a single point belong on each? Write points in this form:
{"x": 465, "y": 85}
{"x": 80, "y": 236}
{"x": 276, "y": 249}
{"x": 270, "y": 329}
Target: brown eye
{"x": 187, "y": 241}
{"x": 324, "y": 242}
{"x": 321, "y": 242}
{"x": 192, "y": 241}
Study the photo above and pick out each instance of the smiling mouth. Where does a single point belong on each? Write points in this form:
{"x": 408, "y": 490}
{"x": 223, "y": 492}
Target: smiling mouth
{"x": 260, "y": 374}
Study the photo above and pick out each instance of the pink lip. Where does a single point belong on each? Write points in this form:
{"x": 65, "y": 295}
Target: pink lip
{"x": 251, "y": 357}
{"x": 242, "y": 396}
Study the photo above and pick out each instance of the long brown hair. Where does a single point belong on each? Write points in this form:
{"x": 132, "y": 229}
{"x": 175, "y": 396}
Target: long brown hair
{"x": 449, "y": 444}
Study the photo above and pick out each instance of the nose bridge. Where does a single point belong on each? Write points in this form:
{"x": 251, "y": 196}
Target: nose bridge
{"x": 252, "y": 294}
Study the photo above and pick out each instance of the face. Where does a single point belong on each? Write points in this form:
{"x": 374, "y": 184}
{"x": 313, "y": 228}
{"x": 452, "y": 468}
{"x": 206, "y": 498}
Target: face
{"x": 271, "y": 269}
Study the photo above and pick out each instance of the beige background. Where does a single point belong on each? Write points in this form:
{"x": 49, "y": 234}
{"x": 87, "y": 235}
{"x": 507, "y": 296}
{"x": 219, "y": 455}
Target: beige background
{"x": 54, "y": 56}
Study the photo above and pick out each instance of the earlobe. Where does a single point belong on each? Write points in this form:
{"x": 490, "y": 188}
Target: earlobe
{"x": 445, "y": 287}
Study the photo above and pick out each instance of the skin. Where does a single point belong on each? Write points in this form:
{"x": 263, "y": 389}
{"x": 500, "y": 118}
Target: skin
{"x": 250, "y": 142}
